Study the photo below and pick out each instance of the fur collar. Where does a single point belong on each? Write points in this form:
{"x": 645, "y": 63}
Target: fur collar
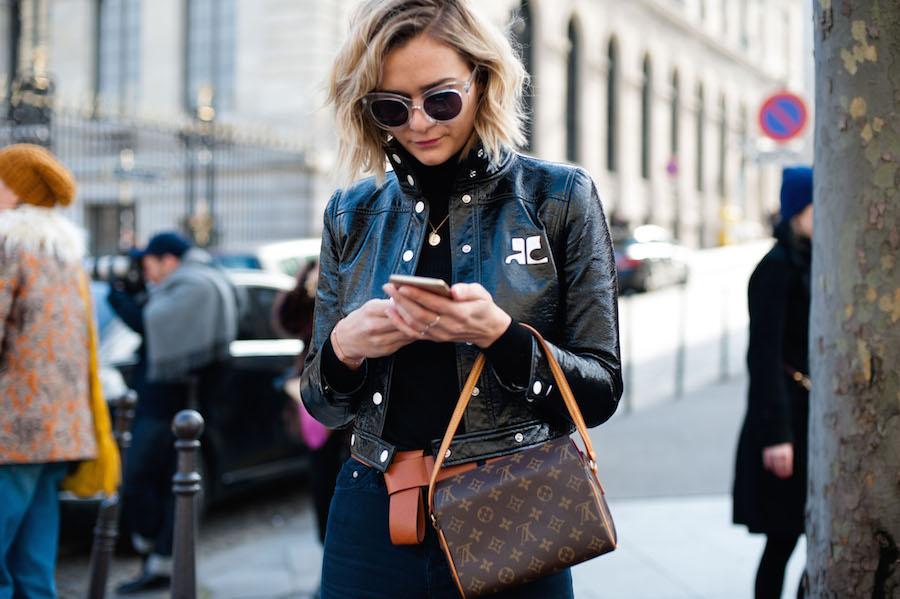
{"x": 42, "y": 231}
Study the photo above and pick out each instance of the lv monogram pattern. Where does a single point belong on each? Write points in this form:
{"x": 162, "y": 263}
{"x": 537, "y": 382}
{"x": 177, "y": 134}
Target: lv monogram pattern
{"x": 521, "y": 517}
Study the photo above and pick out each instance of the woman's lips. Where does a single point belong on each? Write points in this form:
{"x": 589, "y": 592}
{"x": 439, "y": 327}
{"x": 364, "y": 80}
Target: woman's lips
{"x": 427, "y": 143}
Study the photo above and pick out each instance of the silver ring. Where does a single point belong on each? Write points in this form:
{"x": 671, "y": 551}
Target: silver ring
{"x": 437, "y": 319}
{"x": 425, "y": 330}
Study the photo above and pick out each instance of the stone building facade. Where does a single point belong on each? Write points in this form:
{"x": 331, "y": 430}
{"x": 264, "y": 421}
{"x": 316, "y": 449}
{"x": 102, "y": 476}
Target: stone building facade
{"x": 657, "y": 99}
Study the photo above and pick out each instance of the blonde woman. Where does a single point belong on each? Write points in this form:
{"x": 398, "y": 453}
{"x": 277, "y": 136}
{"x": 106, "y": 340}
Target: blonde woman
{"x": 435, "y": 90}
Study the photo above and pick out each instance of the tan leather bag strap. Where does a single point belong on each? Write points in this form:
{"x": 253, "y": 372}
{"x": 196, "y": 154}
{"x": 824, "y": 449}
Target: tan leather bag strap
{"x": 466, "y": 395}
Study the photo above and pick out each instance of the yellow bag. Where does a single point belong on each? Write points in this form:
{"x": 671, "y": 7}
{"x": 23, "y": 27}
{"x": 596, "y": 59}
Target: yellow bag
{"x": 103, "y": 473}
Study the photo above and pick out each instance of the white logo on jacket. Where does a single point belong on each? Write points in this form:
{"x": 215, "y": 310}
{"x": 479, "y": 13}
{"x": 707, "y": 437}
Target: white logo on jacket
{"x": 523, "y": 250}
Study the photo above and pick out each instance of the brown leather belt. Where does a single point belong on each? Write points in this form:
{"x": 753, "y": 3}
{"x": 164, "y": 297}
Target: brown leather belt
{"x": 406, "y": 480}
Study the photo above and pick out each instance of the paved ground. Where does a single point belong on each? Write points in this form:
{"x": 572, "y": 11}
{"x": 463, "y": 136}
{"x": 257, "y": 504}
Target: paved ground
{"x": 667, "y": 470}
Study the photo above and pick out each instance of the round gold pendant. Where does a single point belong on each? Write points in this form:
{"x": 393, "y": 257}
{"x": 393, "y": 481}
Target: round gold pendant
{"x": 434, "y": 239}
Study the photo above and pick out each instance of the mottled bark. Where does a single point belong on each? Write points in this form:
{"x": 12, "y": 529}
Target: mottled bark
{"x": 853, "y": 510}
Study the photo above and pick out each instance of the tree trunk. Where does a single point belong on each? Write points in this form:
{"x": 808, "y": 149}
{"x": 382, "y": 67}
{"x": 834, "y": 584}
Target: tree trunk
{"x": 853, "y": 509}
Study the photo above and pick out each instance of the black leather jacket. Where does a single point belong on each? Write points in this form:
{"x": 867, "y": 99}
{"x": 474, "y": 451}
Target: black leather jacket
{"x": 533, "y": 233}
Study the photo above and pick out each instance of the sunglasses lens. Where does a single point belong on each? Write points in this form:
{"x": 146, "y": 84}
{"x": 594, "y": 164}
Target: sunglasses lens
{"x": 390, "y": 113}
{"x": 443, "y": 106}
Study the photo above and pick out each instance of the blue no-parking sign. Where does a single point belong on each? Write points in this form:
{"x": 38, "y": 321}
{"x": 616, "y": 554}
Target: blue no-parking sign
{"x": 782, "y": 116}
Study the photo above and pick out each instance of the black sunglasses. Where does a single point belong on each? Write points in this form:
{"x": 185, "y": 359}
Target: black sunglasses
{"x": 440, "y": 103}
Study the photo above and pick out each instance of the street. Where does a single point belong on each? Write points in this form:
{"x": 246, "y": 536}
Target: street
{"x": 666, "y": 465}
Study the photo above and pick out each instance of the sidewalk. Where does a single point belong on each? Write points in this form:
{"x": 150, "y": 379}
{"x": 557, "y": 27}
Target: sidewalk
{"x": 667, "y": 471}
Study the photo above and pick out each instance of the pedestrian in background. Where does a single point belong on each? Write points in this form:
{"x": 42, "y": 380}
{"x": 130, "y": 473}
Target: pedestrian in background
{"x": 292, "y": 314}
{"x": 46, "y": 420}
{"x": 770, "y": 474}
{"x": 435, "y": 89}
{"x": 187, "y": 324}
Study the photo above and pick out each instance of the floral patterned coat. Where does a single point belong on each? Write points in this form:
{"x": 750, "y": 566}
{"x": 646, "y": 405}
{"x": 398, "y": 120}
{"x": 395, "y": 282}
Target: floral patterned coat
{"x": 45, "y": 413}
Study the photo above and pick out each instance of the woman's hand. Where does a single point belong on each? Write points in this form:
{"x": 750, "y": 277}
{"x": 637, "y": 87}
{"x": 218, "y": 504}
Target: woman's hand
{"x": 470, "y": 317}
{"x": 368, "y": 332}
{"x": 779, "y": 459}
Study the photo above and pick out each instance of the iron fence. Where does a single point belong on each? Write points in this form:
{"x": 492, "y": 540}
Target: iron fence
{"x": 220, "y": 186}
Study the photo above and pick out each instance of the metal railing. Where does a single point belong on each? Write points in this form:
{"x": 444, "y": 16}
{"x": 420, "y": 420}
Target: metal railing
{"x": 222, "y": 186}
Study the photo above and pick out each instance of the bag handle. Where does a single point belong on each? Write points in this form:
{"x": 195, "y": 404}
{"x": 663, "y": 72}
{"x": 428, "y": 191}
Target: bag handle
{"x": 466, "y": 395}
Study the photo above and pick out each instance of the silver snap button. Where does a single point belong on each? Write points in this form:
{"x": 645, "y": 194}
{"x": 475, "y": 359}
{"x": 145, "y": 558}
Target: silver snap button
{"x": 410, "y": 180}
{"x": 466, "y": 248}
{"x": 420, "y": 206}
{"x": 447, "y": 455}
{"x": 519, "y": 437}
{"x": 355, "y": 473}
{"x": 479, "y": 153}
{"x": 472, "y": 174}
{"x": 376, "y": 398}
{"x": 466, "y": 199}
{"x": 475, "y": 391}
{"x": 384, "y": 455}
{"x": 537, "y": 387}
{"x": 407, "y": 255}
{"x": 529, "y": 399}
{"x": 353, "y": 439}
{"x": 396, "y": 158}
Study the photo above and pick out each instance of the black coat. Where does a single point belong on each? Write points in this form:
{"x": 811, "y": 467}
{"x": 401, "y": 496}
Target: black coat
{"x": 777, "y": 406}
{"x": 532, "y": 233}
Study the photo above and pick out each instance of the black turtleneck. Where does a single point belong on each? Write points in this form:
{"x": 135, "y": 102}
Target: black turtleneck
{"x": 424, "y": 383}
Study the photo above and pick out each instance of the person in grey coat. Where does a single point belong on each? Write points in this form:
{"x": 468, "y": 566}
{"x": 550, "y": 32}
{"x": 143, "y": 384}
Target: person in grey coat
{"x": 770, "y": 473}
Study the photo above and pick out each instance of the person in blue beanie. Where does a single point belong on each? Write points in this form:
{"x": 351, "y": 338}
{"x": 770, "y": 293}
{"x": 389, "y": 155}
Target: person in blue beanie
{"x": 770, "y": 472}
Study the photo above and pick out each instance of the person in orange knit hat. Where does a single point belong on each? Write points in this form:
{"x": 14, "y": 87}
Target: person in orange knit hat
{"x": 46, "y": 417}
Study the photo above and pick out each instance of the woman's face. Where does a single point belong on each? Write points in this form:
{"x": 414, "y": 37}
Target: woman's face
{"x": 8, "y": 199}
{"x": 803, "y": 222}
{"x": 414, "y": 68}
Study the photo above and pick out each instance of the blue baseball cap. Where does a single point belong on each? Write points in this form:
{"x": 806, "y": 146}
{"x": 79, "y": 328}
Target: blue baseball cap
{"x": 167, "y": 242}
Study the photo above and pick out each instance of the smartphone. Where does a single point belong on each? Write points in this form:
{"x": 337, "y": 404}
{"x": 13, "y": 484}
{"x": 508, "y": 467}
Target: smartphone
{"x": 433, "y": 285}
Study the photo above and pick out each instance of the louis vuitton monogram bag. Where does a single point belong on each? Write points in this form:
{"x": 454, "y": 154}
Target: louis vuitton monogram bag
{"x": 525, "y": 515}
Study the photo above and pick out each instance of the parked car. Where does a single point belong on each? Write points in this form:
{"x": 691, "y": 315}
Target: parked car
{"x": 286, "y": 257}
{"x": 250, "y": 433}
{"x": 648, "y": 257}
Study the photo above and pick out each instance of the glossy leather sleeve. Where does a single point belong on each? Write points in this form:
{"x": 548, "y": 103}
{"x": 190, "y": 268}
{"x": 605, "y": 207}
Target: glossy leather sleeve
{"x": 587, "y": 344}
{"x": 333, "y": 408}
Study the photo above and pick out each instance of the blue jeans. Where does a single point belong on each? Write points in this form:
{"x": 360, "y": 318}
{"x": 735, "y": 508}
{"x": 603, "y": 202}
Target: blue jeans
{"x": 361, "y": 563}
{"x": 29, "y": 529}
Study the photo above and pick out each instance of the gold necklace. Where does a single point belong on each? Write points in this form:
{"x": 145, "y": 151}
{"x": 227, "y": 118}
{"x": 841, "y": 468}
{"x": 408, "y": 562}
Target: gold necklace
{"x": 434, "y": 239}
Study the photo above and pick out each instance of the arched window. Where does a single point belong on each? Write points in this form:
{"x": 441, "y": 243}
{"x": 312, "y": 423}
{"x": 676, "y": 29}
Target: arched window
{"x": 742, "y": 173}
{"x": 524, "y": 34}
{"x": 723, "y": 146}
{"x": 701, "y": 116}
{"x": 572, "y": 87}
{"x": 646, "y": 118}
{"x": 210, "y": 45}
{"x": 676, "y": 112}
{"x": 612, "y": 85}
{"x": 9, "y": 26}
{"x": 118, "y": 53}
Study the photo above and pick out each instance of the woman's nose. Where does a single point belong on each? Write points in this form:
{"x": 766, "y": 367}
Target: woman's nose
{"x": 418, "y": 121}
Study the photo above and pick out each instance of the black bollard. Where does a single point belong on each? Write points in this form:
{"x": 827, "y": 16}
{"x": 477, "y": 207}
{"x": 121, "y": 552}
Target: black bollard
{"x": 187, "y": 426}
{"x": 106, "y": 530}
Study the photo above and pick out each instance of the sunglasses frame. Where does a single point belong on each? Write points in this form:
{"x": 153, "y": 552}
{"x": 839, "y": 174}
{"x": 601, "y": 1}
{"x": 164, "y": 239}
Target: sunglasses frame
{"x": 369, "y": 99}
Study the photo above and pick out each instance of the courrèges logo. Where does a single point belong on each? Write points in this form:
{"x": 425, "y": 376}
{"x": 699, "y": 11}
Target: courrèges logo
{"x": 524, "y": 249}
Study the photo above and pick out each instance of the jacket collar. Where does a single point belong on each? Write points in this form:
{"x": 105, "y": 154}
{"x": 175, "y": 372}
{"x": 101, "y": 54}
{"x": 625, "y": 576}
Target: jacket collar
{"x": 475, "y": 168}
{"x": 41, "y": 231}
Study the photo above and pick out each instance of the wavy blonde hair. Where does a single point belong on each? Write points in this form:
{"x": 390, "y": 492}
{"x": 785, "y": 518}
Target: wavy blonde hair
{"x": 379, "y": 26}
